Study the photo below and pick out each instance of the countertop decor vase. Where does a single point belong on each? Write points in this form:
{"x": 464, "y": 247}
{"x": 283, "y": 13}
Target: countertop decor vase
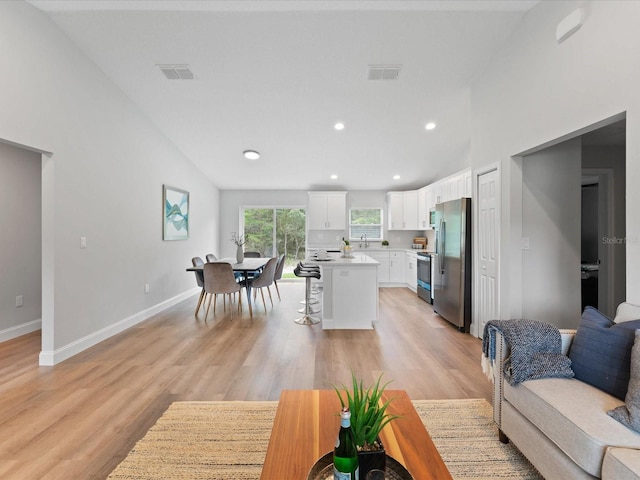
{"x": 240, "y": 254}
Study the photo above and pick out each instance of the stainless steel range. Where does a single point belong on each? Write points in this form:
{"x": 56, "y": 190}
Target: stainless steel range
{"x": 424, "y": 277}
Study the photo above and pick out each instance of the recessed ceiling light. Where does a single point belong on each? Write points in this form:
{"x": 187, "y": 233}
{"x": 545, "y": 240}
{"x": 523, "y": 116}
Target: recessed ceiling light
{"x": 251, "y": 155}
{"x": 396, "y": 177}
{"x": 430, "y": 126}
{"x": 334, "y": 176}
{"x": 339, "y": 126}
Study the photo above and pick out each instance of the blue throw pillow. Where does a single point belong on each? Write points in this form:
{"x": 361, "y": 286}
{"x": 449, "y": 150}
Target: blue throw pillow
{"x": 601, "y": 352}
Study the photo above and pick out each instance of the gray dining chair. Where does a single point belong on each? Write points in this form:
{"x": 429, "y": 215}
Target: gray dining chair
{"x": 264, "y": 279}
{"x": 278, "y": 273}
{"x": 252, "y": 255}
{"x": 211, "y": 257}
{"x": 196, "y": 262}
{"x": 219, "y": 279}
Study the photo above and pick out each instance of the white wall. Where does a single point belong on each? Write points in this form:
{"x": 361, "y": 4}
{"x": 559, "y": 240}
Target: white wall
{"x": 20, "y": 241}
{"x": 551, "y": 266}
{"x": 103, "y": 180}
{"x": 536, "y": 90}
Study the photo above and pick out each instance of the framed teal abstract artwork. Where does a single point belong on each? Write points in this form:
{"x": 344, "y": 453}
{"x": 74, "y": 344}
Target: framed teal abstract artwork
{"x": 175, "y": 213}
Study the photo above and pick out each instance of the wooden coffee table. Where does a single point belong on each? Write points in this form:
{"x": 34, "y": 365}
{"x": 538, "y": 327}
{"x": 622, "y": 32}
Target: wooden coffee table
{"x": 307, "y": 423}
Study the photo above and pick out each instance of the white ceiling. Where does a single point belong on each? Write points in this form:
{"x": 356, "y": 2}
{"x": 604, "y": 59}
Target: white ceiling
{"x": 275, "y": 76}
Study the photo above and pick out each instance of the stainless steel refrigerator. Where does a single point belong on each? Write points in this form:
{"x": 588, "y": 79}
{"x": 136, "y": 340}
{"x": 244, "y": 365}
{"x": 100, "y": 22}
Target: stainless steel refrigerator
{"x": 452, "y": 282}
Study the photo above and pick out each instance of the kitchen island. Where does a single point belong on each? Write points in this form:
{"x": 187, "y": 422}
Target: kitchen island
{"x": 349, "y": 291}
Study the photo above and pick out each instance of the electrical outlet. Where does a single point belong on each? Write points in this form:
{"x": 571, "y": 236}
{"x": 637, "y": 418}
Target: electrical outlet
{"x": 19, "y": 301}
{"x": 146, "y": 288}
{"x": 83, "y": 242}
{"x": 526, "y": 244}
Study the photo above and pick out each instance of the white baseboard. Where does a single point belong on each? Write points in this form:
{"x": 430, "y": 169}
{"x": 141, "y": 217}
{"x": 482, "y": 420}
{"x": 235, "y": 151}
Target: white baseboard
{"x": 19, "y": 330}
{"x": 53, "y": 357}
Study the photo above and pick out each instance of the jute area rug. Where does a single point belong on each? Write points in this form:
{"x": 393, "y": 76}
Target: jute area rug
{"x": 228, "y": 441}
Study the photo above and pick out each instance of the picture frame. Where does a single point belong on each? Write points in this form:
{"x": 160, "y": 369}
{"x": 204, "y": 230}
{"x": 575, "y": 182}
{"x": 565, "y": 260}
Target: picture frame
{"x": 175, "y": 213}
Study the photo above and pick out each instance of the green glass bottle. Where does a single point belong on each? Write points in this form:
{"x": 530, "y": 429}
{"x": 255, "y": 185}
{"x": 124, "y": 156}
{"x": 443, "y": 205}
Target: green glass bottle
{"x": 345, "y": 455}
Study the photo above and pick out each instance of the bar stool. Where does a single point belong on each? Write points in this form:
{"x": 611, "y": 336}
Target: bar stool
{"x": 313, "y": 289}
{"x": 307, "y": 319}
{"x": 314, "y": 286}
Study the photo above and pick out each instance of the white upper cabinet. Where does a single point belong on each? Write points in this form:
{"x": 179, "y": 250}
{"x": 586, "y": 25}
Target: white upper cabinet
{"x": 410, "y": 209}
{"x": 402, "y": 208}
{"x": 468, "y": 183}
{"x": 455, "y": 186}
{"x": 437, "y": 192}
{"x": 395, "y": 211}
{"x": 327, "y": 210}
{"x": 423, "y": 207}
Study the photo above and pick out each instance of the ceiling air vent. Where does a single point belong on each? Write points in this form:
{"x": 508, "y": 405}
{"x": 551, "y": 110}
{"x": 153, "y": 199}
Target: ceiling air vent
{"x": 383, "y": 72}
{"x": 177, "y": 72}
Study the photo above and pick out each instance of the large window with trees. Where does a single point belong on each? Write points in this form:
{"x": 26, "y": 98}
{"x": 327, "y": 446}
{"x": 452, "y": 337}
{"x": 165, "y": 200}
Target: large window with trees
{"x": 273, "y": 231}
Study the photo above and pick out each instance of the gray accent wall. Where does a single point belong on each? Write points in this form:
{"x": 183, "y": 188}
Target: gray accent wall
{"x": 551, "y": 265}
{"x": 20, "y": 241}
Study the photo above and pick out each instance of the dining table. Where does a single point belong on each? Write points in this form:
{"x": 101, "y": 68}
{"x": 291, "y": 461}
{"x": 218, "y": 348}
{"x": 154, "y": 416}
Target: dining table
{"x": 245, "y": 267}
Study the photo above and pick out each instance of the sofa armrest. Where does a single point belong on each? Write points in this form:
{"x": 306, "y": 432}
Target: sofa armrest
{"x": 567, "y": 338}
{"x": 502, "y": 352}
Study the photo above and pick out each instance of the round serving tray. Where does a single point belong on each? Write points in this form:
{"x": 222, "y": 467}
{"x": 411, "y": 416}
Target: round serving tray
{"x": 323, "y": 469}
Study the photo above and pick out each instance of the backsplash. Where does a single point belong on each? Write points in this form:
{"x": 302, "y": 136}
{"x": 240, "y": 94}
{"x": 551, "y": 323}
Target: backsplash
{"x": 396, "y": 238}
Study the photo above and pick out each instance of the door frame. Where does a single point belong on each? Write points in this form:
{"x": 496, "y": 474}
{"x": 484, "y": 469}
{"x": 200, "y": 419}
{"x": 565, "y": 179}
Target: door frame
{"x": 477, "y": 173}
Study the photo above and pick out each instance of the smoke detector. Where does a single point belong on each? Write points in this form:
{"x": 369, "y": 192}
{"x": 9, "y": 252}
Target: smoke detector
{"x": 383, "y": 72}
{"x": 177, "y": 72}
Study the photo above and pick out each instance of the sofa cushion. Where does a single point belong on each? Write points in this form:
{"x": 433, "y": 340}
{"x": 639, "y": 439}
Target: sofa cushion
{"x": 601, "y": 352}
{"x": 627, "y": 311}
{"x": 621, "y": 464}
{"x": 573, "y": 415}
{"x": 629, "y": 413}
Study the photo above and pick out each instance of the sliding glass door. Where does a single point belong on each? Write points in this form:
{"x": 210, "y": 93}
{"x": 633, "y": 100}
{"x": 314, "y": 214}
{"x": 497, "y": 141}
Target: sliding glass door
{"x": 273, "y": 231}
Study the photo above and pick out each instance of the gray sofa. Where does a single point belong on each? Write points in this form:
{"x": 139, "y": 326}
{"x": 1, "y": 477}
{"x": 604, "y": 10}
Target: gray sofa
{"x": 562, "y": 427}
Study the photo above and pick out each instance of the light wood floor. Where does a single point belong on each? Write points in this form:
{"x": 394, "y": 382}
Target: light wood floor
{"x": 79, "y": 419}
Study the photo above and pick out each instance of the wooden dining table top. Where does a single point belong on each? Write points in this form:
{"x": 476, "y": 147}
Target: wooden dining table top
{"x": 307, "y": 422}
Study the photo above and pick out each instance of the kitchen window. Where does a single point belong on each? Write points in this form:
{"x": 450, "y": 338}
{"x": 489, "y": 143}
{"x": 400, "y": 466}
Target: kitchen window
{"x": 365, "y": 221}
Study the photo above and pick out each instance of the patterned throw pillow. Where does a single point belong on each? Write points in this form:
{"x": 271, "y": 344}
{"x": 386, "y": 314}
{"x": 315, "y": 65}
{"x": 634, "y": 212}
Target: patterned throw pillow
{"x": 601, "y": 352}
{"x": 629, "y": 414}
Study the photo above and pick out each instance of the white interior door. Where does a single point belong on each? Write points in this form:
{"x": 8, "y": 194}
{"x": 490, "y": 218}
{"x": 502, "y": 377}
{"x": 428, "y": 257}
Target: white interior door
{"x": 488, "y": 239}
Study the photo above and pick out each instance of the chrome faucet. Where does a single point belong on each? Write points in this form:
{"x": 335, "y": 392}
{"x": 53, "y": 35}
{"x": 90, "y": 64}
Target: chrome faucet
{"x": 366, "y": 242}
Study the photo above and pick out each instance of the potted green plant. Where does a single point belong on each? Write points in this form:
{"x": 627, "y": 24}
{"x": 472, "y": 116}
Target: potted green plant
{"x": 368, "y": 417}
{"x": 385, "y": 243}
{"x": 346, "y": 247}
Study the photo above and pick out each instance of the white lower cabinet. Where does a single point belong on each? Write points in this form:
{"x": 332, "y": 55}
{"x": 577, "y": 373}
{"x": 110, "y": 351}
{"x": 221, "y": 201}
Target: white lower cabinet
{"x": 397, "y": 261}
{"x": 383, "y": 268}
{"x": 397, "y": 267}
{"x": 411, "y": 271}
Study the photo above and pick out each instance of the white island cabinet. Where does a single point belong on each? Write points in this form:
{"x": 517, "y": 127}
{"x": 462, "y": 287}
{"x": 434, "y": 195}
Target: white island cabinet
{"x": 349, "y": 291}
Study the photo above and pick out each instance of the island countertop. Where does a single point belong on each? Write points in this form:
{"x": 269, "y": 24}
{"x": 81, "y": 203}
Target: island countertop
{"x": 335, "y": 259}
